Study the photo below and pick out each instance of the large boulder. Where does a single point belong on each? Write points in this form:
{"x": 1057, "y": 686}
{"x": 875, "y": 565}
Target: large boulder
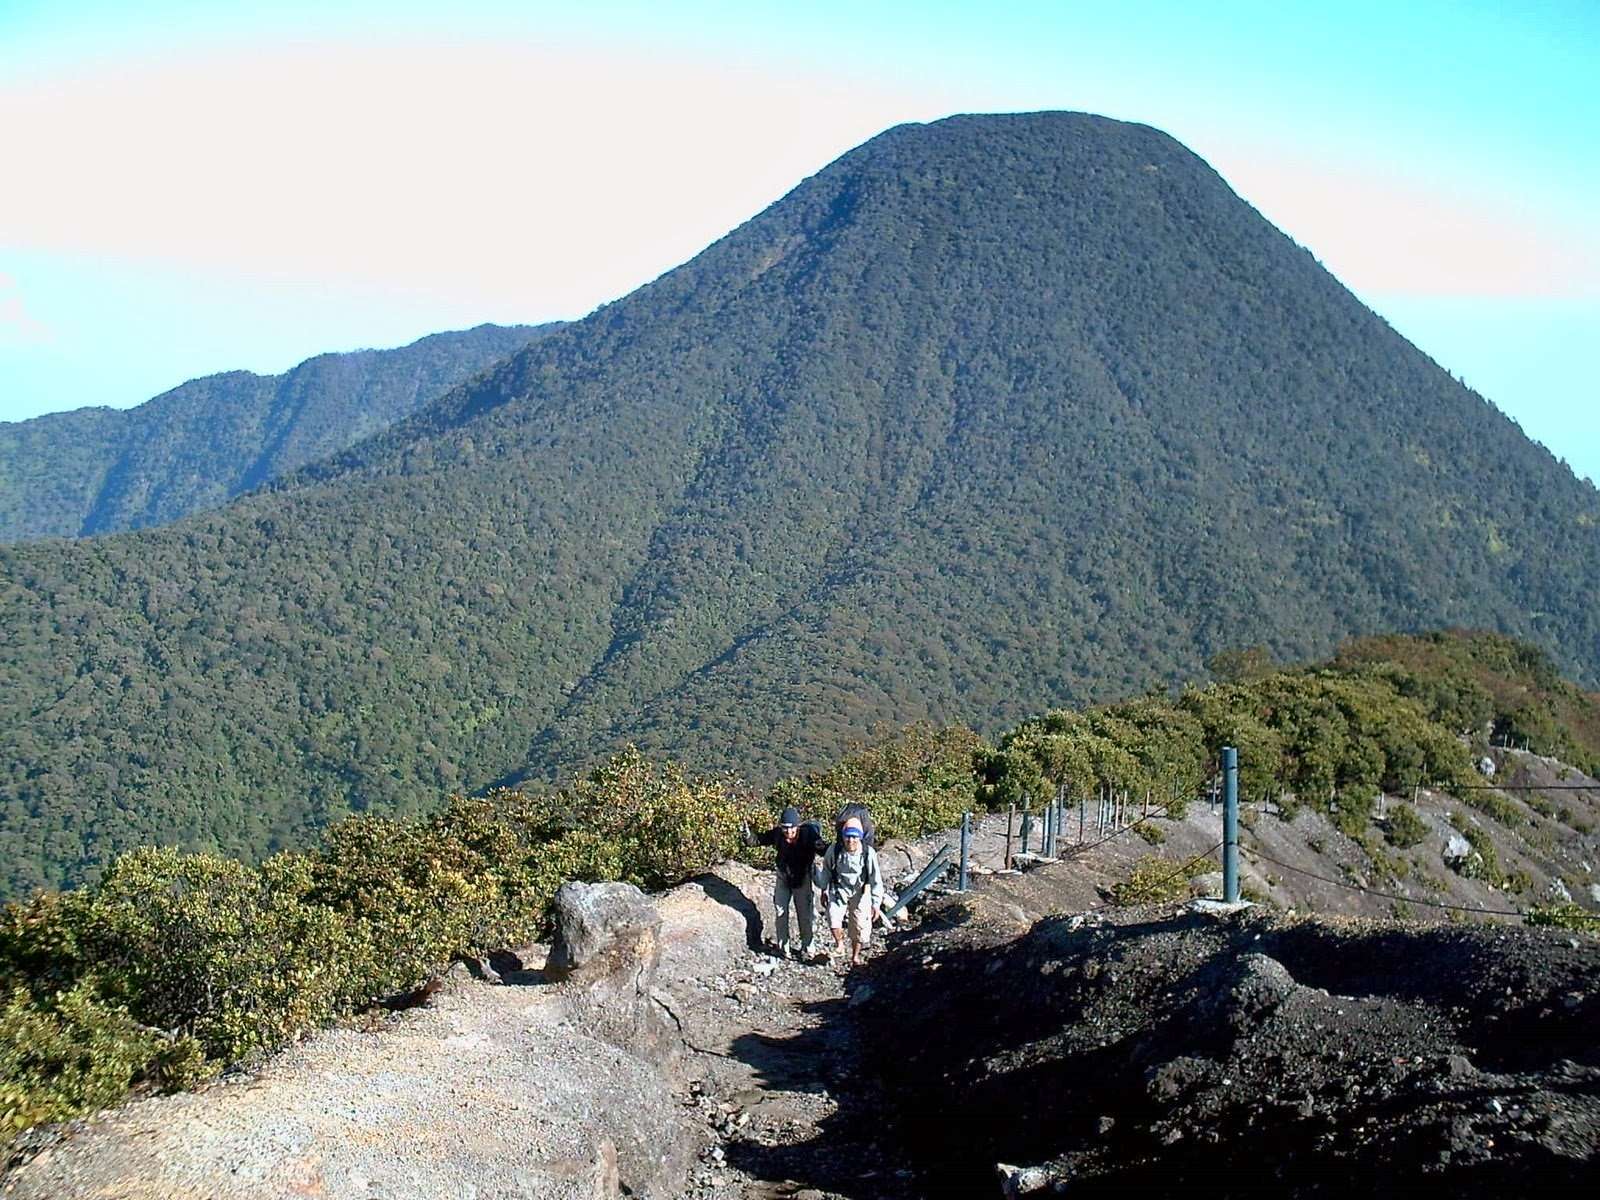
{"x": 607, "y": 952}
{"x": 599, "y": 926}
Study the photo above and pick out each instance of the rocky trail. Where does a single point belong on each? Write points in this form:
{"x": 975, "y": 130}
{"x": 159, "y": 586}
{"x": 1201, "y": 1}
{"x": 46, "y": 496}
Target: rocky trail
{"x": 1025, "y": 1038}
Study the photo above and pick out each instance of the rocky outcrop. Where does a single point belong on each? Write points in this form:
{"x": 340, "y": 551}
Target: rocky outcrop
{"x": 561, "y": 1090}
{"x": 606, "y": 956}
{"x": 602, "y": 927}
{"x": 1154, "y": 1051}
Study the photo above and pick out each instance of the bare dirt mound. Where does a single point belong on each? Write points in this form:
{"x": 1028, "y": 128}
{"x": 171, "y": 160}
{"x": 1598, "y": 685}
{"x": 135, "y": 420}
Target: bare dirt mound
{"x": 1186, "y": 1054}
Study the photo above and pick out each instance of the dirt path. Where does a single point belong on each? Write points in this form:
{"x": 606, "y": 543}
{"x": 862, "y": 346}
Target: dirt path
{"x": 771, "y": 1067}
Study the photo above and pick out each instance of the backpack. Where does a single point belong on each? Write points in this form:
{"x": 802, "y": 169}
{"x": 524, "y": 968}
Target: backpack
{"x": 860, "y": 813}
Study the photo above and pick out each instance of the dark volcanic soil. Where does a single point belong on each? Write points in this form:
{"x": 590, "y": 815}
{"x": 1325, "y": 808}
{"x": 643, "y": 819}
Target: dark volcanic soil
{"x": 1179, "y": 1053}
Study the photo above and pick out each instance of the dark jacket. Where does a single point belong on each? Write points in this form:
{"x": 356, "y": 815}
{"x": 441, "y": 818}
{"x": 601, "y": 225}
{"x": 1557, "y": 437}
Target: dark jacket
{"x": 795, "y": 859}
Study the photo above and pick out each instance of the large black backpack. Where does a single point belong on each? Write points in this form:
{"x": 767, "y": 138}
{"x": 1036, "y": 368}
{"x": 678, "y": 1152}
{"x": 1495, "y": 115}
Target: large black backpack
{"x": 860, "y": 813}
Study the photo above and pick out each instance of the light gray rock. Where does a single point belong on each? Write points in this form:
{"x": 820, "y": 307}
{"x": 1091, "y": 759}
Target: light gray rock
{"x": 1560, "y": 891}
{"x": 1457, "y": 849}
{"x": 1022, "y": 1181}
{"x": 596, "y": 923}
{"x": 606, "y": 954}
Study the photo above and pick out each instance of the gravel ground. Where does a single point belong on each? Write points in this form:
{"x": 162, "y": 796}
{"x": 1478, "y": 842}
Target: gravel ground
{"x": 488, "y": 1092}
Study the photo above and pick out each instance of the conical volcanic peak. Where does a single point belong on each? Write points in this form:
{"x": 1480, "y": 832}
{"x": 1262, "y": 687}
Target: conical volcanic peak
{"x": 989, "y": 414}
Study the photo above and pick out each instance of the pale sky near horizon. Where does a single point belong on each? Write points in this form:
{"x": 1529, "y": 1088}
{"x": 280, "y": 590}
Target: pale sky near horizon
{"x": 190, "y": 187}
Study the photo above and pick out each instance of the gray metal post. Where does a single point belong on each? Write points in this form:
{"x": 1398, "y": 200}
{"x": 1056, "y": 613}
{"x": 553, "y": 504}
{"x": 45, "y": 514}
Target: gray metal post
{"x": 1011, "y": 823}
{"x": 1083, "y": 803}
{"x": 966, "y": 847}
{"x": 1230, "y": 825}
{"x": 1027, "y": 822}
{"x": 929, "y": 874}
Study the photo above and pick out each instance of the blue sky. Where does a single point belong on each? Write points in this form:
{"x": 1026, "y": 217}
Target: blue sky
{"x": 196, "y": 187}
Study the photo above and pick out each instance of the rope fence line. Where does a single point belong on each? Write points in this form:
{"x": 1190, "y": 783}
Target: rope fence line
{"x": 1058, "y": 811}
{"x": 1082, "y": 848}
{"x": 1515, "y": 787}
{"x": 1356, "y": 887}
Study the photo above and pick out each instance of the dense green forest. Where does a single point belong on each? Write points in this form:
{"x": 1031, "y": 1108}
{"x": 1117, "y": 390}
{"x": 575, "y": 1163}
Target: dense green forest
{"x": 100, "y": 470}
{"x": 990, "y": 413}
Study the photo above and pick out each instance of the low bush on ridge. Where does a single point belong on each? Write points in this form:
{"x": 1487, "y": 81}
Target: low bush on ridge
{"x": 915, "y": 781}
{"x": 176, "y": 964}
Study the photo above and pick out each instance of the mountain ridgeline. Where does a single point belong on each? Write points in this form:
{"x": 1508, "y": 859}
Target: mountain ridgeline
{"x": 103, "y": 470}
{"x": 989, "y": 413}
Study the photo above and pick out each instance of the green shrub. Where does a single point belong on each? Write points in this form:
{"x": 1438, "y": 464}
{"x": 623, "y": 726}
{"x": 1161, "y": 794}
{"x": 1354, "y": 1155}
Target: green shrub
{"x": 1308, "y": 734}
{"x": 1151, "y": 832}
{"x": 1564, "y": 916}
{"x": 1496, "y": 805}
{"x": 916, "y": 781}
{"x": 1403, "y": 828}
{"x": 1484, "y": 861}
{"x": 237, "y": 960}
{"x": 1155, "y": 879}
{"x": 72, "y": 1052}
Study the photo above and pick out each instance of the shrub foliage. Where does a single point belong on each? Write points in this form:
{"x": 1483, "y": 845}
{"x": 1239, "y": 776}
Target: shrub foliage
{"x": 176, "y": 964}
{"x": 1326, "y": 737}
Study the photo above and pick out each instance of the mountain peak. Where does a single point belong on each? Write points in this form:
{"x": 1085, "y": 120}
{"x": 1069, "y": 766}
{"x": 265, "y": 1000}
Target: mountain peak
{"x": 991, "y": 414}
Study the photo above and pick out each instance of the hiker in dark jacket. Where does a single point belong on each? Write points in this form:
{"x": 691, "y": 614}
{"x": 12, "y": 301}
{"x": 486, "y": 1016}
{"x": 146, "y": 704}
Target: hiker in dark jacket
{"x": 798, "y": 846}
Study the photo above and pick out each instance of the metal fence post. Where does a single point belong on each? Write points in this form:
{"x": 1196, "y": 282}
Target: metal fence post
{"x": 1027, "y": 822}
{"x": 1230, "y": 825}
{"x": 966, "y": 847}
{"x": 1011, "y": 821}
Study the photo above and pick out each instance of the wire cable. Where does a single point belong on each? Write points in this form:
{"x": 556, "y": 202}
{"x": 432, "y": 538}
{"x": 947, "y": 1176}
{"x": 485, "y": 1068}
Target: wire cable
{"x": 1356, "y": 887}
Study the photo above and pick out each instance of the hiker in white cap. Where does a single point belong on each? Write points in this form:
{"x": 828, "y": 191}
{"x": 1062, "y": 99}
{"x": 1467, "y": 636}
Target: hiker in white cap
{"x": 851, "y": 881}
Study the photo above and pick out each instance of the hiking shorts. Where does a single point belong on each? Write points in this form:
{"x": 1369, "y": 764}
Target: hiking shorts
{"x": 857, "y": 911}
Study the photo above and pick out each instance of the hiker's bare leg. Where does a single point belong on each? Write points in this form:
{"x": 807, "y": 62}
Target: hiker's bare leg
{"x": 860, "y": 922}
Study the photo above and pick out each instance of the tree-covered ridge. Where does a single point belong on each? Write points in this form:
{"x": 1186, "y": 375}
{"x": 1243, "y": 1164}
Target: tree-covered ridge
{"x": 989, "y": 413}
{"x": 1494, "y": 687}
{"x": 1387, "y": 713}
{"x": 100, "y": 470}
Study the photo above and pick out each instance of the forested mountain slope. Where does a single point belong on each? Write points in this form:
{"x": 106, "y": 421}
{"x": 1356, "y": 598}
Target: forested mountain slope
{"x": 990, "y": 413}
{"x": 101, "y": 470}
